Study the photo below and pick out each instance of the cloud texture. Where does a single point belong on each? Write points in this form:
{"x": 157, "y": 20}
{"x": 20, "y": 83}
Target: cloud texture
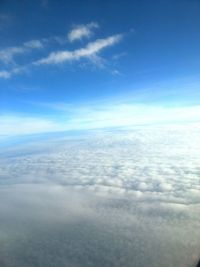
{"x": 149, "y": 163}
{"x": 106, "y": 198}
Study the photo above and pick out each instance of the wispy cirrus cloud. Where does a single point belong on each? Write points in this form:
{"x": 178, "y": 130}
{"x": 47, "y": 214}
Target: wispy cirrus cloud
{"x": 7, "y": 54}
{"x": 79, "y": 32}
{"x": 6, "y": 74}
{"x": 90, "y": 50}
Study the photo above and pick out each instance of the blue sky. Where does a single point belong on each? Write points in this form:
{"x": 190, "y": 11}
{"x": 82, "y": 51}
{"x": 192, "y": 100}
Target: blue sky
{"x": 94, "y": 64}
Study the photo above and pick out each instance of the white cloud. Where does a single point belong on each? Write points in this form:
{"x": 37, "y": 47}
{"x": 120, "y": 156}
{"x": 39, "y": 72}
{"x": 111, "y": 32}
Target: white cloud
{"x": 90, "y": 50}
{"x": 82, "y": 31}
{"x": 10, "y": 55}
{"x": 7, "y": 55}
{"x": 148, "y": 163}
{"x": 129, "y": 192}
{"x": 5, "y": 74}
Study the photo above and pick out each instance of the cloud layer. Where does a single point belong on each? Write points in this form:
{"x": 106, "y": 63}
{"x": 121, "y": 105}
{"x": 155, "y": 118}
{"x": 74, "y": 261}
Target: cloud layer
{"x": 102, "y": 199}
{"x": 149, "y": 163}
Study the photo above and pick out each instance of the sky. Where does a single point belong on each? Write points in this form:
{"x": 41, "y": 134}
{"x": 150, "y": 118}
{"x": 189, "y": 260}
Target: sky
{"x": 68, "y": 65}
{"x": 99, "y": 133}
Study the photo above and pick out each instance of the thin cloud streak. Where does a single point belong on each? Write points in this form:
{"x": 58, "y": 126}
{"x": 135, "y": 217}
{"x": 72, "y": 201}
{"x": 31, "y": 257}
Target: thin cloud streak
{"x": 9, "y": 125}
{"x": 6, "y": 74}
{"x": 130, "y": 114}
{"x": 7, "y": 54}
{"x": 90, "y": 50}
{"x": 85, "y": 118}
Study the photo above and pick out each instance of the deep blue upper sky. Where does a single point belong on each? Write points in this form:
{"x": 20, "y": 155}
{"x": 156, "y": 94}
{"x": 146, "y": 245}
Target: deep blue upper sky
{"x": 87, "y": 64}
